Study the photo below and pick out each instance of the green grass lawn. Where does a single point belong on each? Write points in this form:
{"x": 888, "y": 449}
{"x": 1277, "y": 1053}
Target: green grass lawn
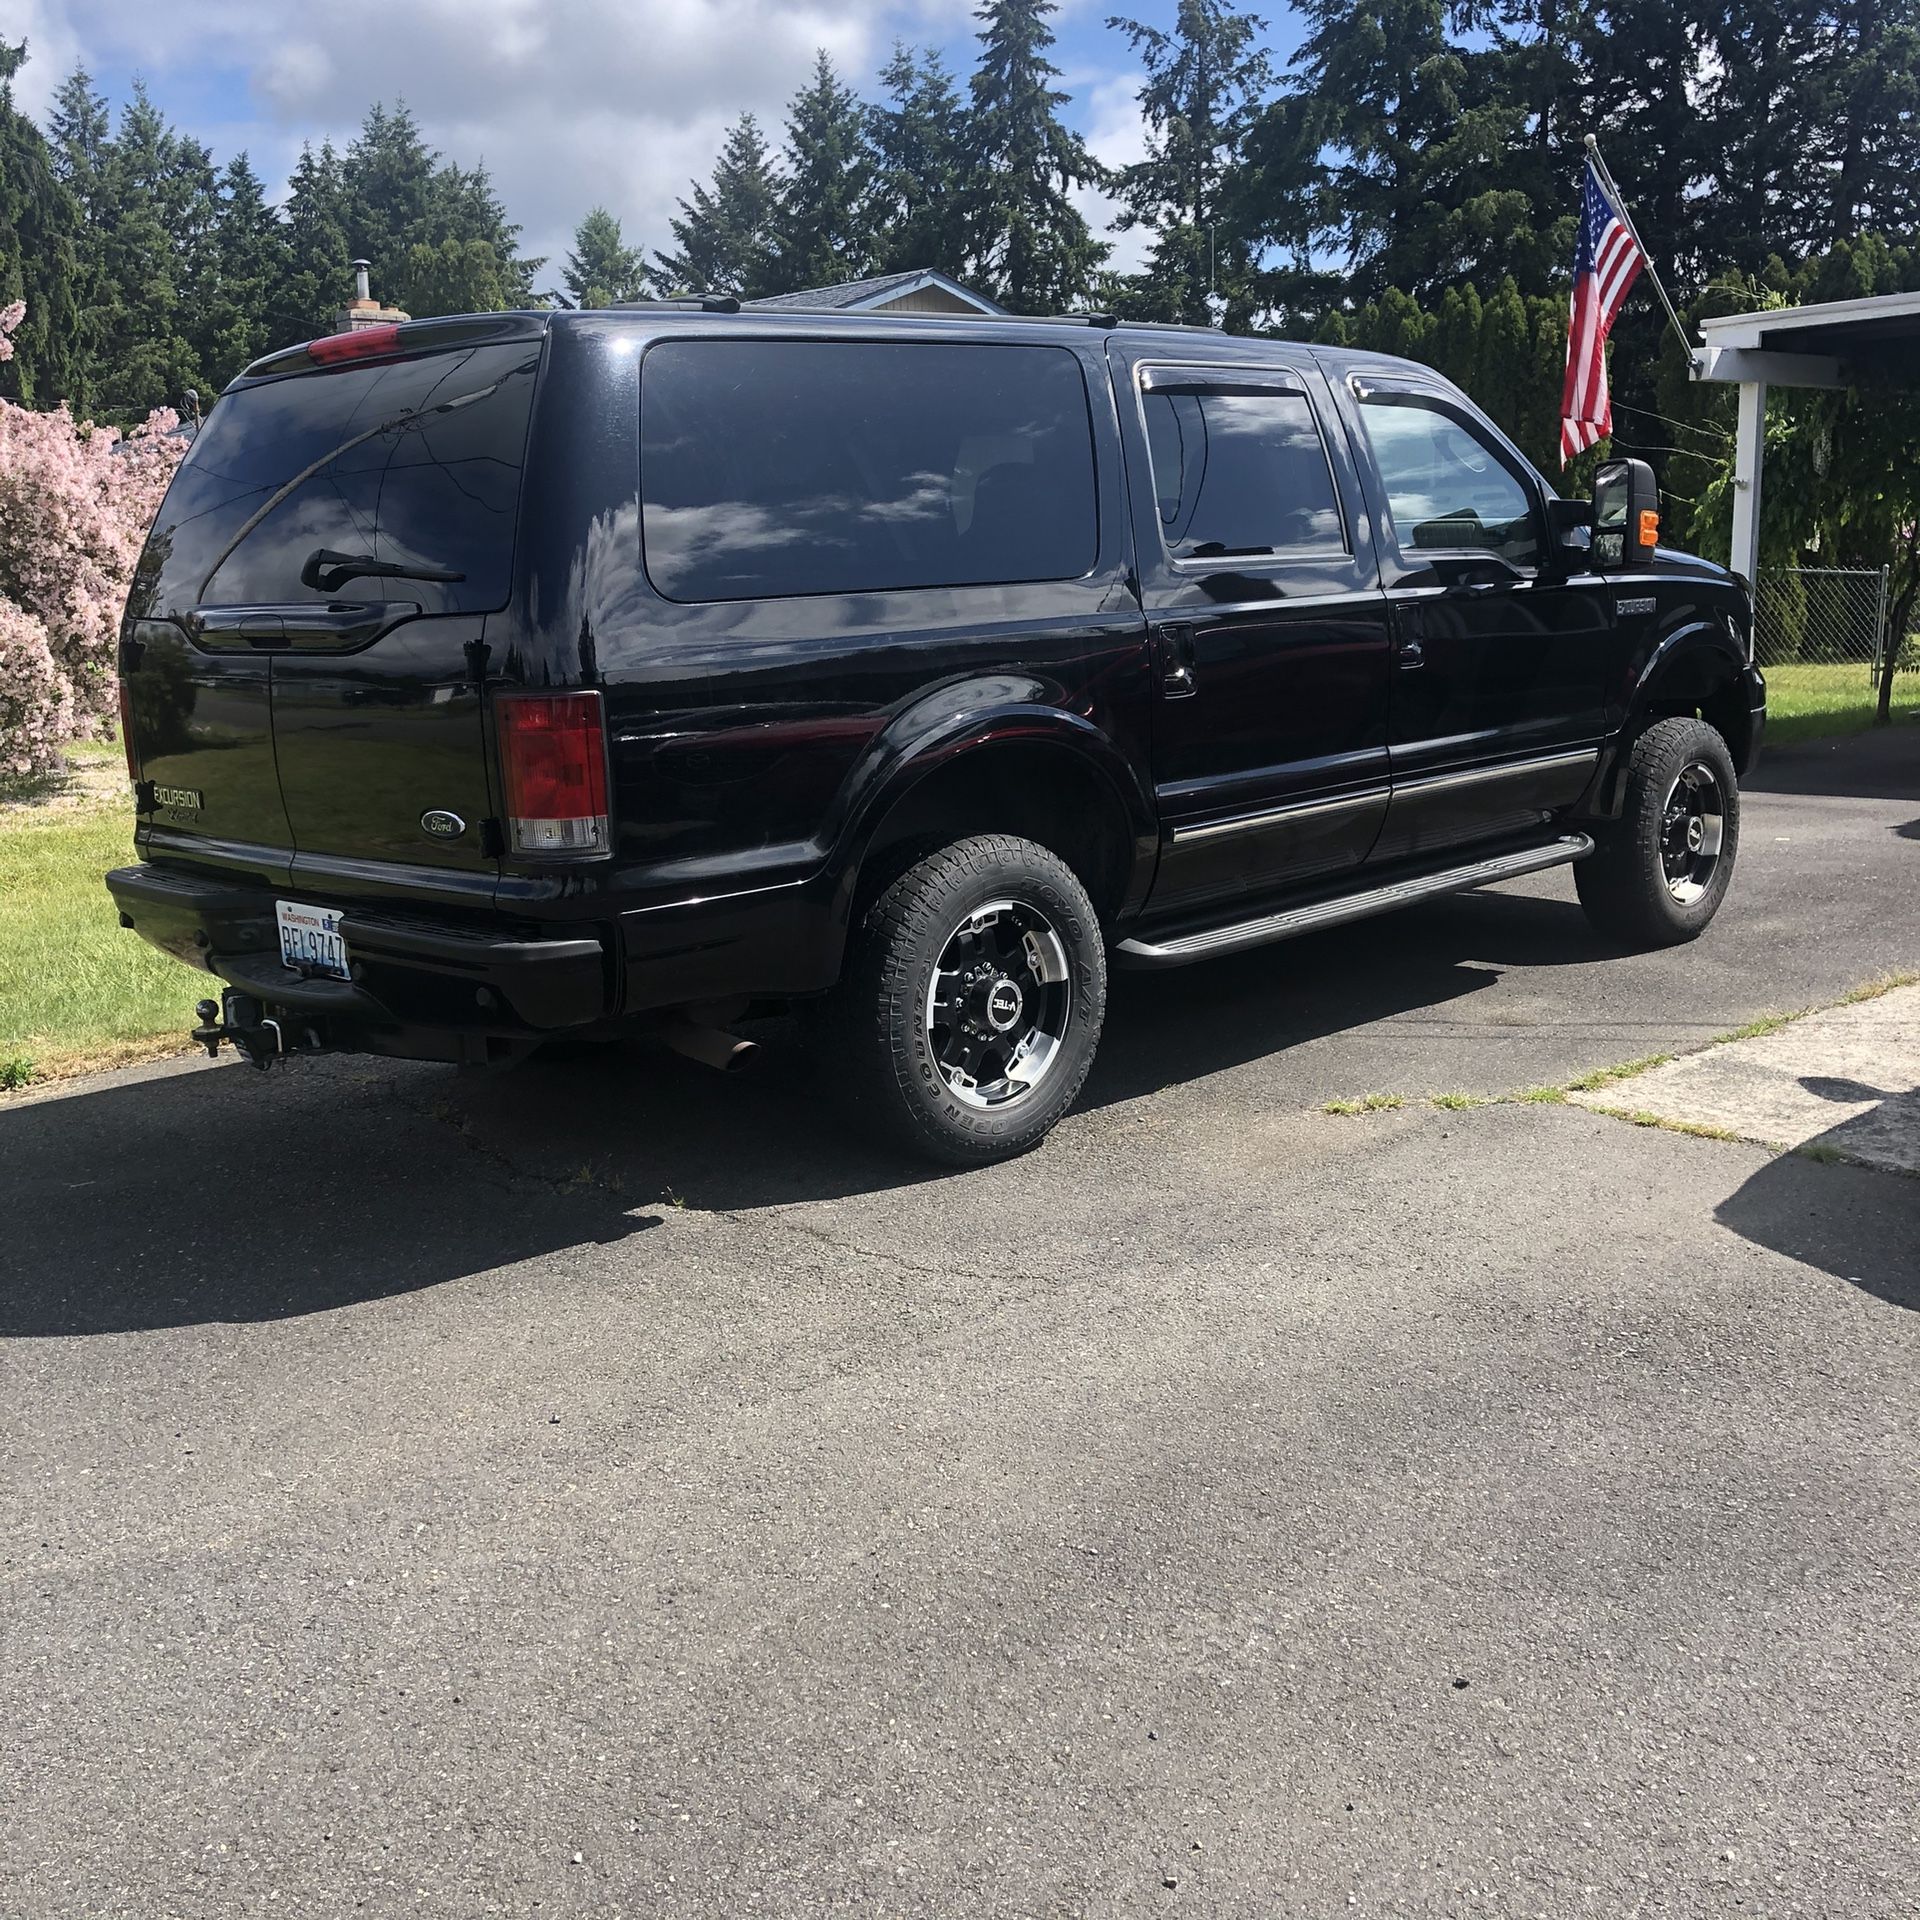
{"x": 1805, "y": 702}
{"x": 76, "y": 990}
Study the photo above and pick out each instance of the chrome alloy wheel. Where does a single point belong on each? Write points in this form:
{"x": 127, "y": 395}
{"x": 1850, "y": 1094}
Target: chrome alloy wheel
{"x": 998, "y": 1004}
{"x": 1692, "y": 832}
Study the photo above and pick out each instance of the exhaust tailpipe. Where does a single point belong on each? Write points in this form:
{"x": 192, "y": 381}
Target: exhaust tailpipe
{"x": 711, "y": 1046}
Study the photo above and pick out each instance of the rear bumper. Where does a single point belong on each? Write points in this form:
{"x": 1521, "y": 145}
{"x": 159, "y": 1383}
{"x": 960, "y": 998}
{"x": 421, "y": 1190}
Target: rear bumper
{"x": 409, "y": 973}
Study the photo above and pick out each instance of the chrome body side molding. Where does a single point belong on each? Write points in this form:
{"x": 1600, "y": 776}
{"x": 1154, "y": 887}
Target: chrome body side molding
{"x": 1277, "y": 816}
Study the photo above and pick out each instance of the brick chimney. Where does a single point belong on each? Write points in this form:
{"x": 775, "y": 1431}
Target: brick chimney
{"x": 363, "y": 310}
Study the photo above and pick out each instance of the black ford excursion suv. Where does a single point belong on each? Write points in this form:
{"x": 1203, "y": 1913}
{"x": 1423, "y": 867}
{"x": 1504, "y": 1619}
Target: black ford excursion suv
{"x": 492, "y": 679}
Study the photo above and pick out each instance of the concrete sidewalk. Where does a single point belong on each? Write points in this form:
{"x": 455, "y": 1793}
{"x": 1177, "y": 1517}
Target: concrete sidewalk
{"x": 1843, "y": 1084}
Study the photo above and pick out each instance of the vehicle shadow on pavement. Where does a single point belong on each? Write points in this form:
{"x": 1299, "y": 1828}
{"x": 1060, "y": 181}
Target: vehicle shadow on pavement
{"x": 231, "y": 1196}
{"x": 1164, "y": 1028}
{"x": 1860, "y": 1224}
{"x": 686, "y": 1136}
{"x": 227, "y": 1196}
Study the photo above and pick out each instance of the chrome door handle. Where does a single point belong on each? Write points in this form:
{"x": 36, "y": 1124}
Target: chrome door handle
{"x": 1176, "y": 659}
{"x": 1412, "y": 653}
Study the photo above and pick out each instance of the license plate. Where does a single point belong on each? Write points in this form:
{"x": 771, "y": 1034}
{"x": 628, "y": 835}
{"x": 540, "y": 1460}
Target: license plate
{"x": 310, "y": 939}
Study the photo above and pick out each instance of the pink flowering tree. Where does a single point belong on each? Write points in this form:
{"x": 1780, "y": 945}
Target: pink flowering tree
{"x": 75, "y": 504}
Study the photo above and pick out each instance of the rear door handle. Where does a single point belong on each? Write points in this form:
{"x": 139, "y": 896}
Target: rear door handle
{"x": 1175, "y": 642}
{"x": 1412, "y": 653}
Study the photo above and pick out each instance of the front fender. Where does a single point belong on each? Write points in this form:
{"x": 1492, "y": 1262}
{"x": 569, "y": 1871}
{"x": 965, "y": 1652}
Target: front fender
{"x": 1690, "y": 663}
{"x": 1699, "y": 663}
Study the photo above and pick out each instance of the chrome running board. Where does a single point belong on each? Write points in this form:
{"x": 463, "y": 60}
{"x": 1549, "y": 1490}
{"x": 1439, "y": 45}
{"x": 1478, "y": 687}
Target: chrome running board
{"x": 1178, "y": 950}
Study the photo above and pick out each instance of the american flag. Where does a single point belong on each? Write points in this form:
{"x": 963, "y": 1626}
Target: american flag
{"x": 1606, "y": 262}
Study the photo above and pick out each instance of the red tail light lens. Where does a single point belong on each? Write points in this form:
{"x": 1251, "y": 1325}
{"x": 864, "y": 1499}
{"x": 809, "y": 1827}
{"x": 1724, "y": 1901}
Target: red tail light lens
{"x": 362, "y": 343}
{"x": 126, "y": 735}
{"x": 553, "y": 761}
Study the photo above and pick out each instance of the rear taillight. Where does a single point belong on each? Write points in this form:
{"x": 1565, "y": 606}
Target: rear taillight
{"x": 553, "y": 763}
{"x": 363, "y": 343}
{"x": 126, "y": 734}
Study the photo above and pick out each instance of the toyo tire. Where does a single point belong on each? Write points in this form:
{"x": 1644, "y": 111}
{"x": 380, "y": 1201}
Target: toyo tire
{"x": 1657, "y": 875}
{"x": 971, "y": 1004}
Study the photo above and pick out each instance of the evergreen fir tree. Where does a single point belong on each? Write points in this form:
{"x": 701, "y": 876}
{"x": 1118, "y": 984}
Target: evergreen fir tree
{"x": 822, "y": 221}
{"x": 1028, "y": 244}
{"x": 602, "y": 269}
{"x": 723, "y": 234}
{"x": 1206, "y": 81}
{"x": 919, "y": 165}
{"x": 156, "y": 210}
{"x": 39, "y": 262}
{"x": 1389, "y": 83}
{"x": 319, "y": 276}
{"x": 249, "y": 264}
{"x": 387, "y": 194}
{"x": 1861, "y": 100}
{"x": 80, "y": 131}
{"x": 462, "y": 208}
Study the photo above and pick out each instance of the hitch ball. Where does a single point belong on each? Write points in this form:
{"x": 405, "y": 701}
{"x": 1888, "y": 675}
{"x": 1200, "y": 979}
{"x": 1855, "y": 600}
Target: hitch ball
{"x": 239, "y": 1019}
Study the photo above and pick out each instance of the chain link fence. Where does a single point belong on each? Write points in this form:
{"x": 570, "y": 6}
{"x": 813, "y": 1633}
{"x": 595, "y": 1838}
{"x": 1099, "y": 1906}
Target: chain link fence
{"x": 1828, "y": 617}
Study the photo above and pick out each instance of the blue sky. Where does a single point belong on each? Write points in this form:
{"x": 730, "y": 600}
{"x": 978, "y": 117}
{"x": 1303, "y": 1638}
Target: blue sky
{"x": 569, "y": 102}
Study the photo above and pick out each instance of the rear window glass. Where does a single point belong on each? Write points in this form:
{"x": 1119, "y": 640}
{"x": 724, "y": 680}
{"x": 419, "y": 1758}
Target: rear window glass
{"x": 414, "y": 464}
{"x": 778, "y": 468}
{"x": 1240, "y": 474}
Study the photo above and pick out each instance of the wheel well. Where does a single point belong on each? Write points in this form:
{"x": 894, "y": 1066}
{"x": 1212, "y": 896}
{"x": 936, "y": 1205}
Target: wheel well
{"x": 1048, "y": 795}
{"x": 1702, "y": 683}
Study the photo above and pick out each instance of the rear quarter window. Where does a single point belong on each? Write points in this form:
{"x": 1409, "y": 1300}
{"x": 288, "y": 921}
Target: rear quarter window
{"x": 771, "y": 469}
{"x": 414, "y": 462}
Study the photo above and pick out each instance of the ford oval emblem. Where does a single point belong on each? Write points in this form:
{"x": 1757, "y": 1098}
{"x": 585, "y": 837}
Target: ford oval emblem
{"x": 442, "y": 824}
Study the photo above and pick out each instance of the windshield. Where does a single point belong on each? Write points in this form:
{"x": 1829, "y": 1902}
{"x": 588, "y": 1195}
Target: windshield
{"x": 407, "y": 465}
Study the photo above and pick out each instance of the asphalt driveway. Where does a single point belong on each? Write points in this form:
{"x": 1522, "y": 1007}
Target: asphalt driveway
{"x": 606, "y": 1490}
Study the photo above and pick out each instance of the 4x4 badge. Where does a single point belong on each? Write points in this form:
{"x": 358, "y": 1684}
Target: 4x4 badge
{"x": 442, "y": 824}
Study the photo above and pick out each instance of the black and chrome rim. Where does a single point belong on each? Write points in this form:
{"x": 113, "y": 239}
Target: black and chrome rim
{"x": 1693, "y": 827}
{"x": 998, "y": 1004}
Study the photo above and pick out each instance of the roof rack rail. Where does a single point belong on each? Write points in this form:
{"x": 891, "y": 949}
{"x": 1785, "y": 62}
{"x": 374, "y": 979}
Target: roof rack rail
{"x": 1112, "y": 322}
{"x": 704, "y": 302}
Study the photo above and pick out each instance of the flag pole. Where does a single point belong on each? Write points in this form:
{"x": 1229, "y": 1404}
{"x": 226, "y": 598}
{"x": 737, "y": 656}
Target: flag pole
{"x": 1612, "y": 189}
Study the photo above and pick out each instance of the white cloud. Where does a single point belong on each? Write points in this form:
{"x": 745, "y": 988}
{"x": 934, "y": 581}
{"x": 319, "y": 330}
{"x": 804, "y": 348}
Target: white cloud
{"x": 1117, "y": 136}
{"x": 52, "y": 48}
{"x": 569, "y": 102}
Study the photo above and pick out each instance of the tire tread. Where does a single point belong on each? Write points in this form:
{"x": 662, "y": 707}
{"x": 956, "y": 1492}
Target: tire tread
{"x": 874, "y": 1017}
{"x": 1620, "y": 884}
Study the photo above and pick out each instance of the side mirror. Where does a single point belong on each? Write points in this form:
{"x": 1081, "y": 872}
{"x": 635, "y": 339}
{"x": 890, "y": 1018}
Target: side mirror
{"x": 1626, "y": 514}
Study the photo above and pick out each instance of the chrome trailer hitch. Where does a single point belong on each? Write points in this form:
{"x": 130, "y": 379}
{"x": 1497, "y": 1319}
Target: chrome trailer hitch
{"x": 243, "y": 1022}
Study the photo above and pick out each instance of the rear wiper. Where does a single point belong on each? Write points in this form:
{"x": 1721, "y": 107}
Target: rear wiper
{"x": 327, "y": 572}
{"x": 411, "y": 421}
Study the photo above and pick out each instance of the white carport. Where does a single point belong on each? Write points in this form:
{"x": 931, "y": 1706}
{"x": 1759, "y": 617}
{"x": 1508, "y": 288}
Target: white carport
{"x": 1841, "y": 343}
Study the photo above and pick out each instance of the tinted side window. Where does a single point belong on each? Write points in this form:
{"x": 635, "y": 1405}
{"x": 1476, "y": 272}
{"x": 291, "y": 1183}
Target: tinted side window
{"x": 1239, "y": 474}
{"x": 770, "y": 468}
{"x": 1446, "y": 487}
{"x": 415, "y": 462}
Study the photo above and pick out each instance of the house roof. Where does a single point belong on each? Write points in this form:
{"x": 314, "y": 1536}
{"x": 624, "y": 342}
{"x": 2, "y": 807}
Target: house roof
{"x": 861, "y": 296}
